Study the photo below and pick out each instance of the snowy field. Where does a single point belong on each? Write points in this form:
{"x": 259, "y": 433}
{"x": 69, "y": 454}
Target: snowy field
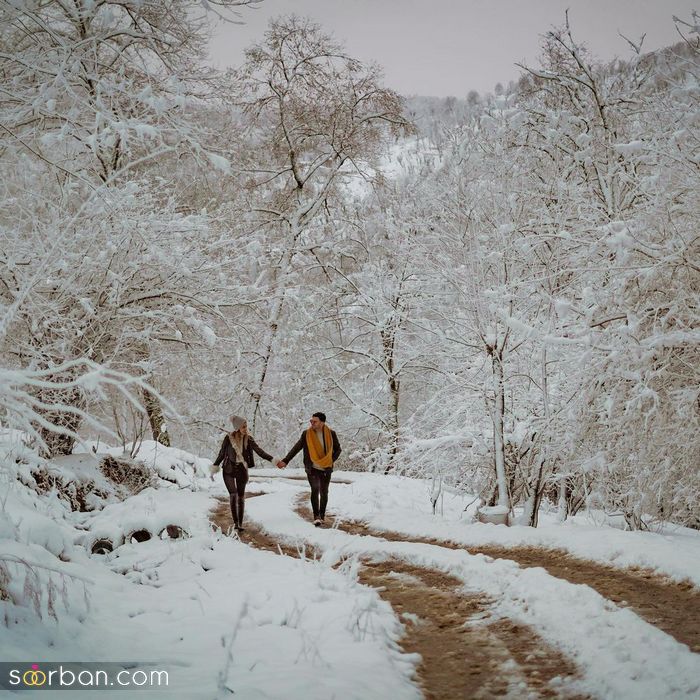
{"x": 220, "y": 616}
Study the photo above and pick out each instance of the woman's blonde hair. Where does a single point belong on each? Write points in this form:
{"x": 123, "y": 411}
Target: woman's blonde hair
{"x": 239, "y": 439}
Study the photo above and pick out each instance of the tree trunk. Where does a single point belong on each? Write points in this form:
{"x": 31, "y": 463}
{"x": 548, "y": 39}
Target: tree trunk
{"x": 393, "y": 425}
{"x": 497, "y": 416}
{"x": 529, "y": 516}
{"x": 156, "y": 418}
{"x": 532, "y": 505}
{"x": 267, "y": 357}
{"x": 389, "y": 347}
{"x": 536, "y": 495}
{"x": 274, "y": 319}
{"x": 563, "y": 503}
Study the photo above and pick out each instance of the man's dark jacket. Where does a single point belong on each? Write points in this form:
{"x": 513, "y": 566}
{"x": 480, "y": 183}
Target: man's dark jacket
{"x": 301, "y": 445}
{"x": 228, "y": 455}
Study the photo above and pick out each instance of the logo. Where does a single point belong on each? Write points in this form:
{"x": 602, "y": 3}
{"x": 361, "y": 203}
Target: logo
{"x": 63, "y": 675}
{"x": 34, "y": 677}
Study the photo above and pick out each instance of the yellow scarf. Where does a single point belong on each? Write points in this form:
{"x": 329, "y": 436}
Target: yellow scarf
{"x": 316, "y": 448}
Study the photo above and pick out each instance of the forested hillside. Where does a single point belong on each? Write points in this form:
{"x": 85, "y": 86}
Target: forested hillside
{"x": 498, "y": 292}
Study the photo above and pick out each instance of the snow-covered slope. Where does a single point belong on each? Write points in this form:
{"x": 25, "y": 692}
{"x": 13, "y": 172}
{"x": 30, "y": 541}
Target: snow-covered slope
{"x": 220, "y": 616}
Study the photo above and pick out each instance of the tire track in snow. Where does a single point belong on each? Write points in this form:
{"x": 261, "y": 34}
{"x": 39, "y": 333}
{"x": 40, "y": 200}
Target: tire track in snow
{"x": 671, "y": 606}
{"x": 465, "y": 651}
{"x": 619, "y": 654}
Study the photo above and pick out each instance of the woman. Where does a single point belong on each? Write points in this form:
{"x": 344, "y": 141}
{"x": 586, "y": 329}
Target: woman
{"x": 236, "y": 453}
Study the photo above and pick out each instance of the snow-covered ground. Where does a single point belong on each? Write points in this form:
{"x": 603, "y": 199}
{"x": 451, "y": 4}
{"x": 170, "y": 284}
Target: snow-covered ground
{"x": 621, "y": 655}
{"x": 220, "y": 616}
{"x": 403, "y": 505}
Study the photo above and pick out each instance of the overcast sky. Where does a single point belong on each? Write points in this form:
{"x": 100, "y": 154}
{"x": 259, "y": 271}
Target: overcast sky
{"x": 448, "y": 47}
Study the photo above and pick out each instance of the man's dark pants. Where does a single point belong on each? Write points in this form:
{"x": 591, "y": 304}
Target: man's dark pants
{"x": 319, "y": 479}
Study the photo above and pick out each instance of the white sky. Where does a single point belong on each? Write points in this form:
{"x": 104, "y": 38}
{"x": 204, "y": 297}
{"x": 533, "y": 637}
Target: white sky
{"x": 448, "y": 47}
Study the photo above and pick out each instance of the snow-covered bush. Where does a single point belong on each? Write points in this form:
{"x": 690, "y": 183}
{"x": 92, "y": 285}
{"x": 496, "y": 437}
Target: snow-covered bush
{"x": 132, "y": 475}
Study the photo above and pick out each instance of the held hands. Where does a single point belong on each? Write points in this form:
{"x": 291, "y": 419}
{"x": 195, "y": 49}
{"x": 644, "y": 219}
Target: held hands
{"x": 277, "y": 461}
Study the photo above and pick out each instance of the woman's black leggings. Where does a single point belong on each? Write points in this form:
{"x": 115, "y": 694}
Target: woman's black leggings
{"x": 319, "y": 481}
{"x": 235, "y": 478}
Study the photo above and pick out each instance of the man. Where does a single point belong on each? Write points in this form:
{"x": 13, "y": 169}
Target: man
{"x": 321, "y": 450}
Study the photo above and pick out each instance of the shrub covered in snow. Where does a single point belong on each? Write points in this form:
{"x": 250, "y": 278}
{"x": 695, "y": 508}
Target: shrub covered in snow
{"x": 80, "y": 495}
{"x": 133, "y": 476}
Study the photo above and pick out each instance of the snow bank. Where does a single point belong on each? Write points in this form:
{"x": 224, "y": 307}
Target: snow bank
{"x": 396, "y": 503}
{"x": 218, "y": 616}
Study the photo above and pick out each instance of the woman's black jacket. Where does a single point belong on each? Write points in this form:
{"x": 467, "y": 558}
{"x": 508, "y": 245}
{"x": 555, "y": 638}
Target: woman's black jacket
{"x": 227, "y": 454}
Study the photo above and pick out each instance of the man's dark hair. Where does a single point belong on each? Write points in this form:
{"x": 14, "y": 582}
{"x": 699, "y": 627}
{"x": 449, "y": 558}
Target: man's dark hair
{"x": 321, "y": 416}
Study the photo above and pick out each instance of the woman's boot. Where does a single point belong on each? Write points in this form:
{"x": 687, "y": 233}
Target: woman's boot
{"x": 233, "y": 500}
{"x": 241, "y": 508}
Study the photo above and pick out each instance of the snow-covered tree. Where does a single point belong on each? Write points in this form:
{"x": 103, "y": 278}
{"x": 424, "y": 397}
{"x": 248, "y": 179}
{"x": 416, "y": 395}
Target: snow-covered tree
{"x": 317, "y": 119}
{"x": 97, "y": 261}
{"x": 377, "y": 330}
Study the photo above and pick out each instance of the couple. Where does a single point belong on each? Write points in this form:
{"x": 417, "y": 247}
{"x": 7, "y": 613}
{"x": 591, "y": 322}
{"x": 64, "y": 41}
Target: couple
{"x": 321, "y": 450}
